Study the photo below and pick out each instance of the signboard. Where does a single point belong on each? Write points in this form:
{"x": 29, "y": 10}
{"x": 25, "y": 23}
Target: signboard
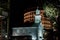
{"x": 37, "y": 19}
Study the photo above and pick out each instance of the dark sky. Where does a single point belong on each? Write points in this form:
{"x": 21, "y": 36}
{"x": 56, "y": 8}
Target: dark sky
{"x": 17, "y": 10}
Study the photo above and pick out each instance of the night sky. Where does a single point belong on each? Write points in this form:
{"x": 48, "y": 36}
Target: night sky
{"x": 17, "y": 10}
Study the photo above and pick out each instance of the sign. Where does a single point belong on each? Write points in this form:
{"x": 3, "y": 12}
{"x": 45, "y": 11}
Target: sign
{"x": 37, "y": 19}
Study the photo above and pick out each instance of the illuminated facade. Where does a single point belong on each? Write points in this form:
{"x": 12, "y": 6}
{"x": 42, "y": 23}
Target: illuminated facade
{"x": 29, "y": 16}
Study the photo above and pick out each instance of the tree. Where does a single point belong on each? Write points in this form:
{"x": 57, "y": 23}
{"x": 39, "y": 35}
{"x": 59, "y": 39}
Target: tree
{"x": 51, "y": 12}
